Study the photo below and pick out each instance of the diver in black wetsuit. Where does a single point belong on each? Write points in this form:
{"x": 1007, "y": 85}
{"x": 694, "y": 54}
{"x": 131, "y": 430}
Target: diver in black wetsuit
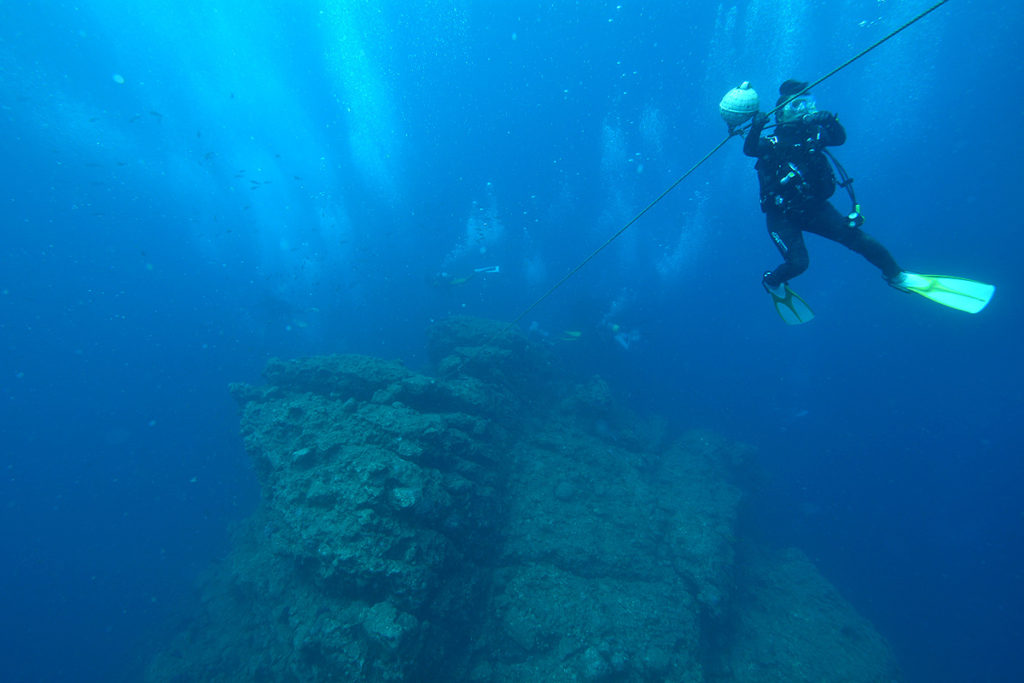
{"x": 796, "y": 182}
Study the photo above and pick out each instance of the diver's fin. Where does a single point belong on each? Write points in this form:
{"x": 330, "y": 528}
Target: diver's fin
{"x": 791, "y": 308}
{"x": 955, "y": 292}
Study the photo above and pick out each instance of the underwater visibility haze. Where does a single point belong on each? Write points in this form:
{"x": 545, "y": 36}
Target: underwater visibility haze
{"x": 288, "y": 198}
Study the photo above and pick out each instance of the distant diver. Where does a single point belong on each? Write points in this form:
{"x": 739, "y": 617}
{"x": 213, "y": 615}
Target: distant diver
{"x": 445, "y": 279}
{"x": 622, "y": 337}
{"x": 796, "y": 177}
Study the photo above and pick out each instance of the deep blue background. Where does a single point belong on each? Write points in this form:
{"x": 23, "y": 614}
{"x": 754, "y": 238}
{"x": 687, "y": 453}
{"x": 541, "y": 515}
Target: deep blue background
{"x": 187, "y": 192}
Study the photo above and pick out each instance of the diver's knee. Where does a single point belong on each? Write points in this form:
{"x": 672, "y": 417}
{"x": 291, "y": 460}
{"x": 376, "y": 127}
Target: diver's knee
{"x": 798, "y": 263}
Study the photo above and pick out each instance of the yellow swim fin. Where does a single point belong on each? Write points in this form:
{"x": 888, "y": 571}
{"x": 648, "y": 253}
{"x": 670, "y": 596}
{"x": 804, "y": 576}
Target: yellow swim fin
{"x": 791, "y": 308}
{"x": 955, "y": 292}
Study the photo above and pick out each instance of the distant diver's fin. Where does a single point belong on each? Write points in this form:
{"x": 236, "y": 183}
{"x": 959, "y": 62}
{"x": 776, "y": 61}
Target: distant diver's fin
{"x": 955, "y": 292}
{"x": 571, "y": 335}
{"x": 488, "y": 269}
{"x": 791, "y": 308}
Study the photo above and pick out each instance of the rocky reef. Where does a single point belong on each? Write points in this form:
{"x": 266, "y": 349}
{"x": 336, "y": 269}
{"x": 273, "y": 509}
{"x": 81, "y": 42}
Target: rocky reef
{"x": 497, "y": 521}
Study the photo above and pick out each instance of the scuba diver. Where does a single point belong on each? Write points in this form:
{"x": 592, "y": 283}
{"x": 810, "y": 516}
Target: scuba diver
{"x": 446, "y": 279}
{"x": 796, "y": 177}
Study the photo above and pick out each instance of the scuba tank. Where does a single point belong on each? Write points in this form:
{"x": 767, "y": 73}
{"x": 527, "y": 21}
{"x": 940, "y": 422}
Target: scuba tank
{"x": 738, "y": 105}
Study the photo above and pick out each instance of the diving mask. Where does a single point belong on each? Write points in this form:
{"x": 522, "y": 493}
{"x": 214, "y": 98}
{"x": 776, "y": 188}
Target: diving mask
{"x": 797, "y": 108}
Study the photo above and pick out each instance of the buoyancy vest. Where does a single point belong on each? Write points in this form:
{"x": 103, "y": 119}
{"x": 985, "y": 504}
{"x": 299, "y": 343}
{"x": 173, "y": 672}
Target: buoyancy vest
{"x": 794, "y": 175}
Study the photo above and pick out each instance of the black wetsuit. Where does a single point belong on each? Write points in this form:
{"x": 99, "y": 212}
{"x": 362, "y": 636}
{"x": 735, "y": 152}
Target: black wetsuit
{"x": 796, "y": 182}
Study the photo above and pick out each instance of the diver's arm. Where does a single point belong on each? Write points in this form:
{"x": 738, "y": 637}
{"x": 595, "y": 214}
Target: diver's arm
{"x": 754, "y": 145}
{"x": 832, "y": 132}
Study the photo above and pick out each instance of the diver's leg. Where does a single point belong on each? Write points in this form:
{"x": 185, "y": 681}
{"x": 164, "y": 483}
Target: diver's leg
{"x": 789, "y": 240}
{"x": 831, "y": 224}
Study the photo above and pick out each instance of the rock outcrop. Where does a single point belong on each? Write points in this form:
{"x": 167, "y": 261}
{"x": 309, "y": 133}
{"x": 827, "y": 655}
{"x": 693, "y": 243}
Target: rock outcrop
{"x": 498, "y": 522}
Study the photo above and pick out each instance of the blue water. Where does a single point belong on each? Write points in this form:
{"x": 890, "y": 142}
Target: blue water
{"x": 188, "y": 191}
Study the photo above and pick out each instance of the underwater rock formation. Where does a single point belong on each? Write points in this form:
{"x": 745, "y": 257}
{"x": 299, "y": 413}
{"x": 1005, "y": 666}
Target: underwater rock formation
{"x": 498, "y": 522}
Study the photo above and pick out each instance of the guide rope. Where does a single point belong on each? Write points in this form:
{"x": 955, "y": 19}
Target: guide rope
{"x": 697, "y": 165}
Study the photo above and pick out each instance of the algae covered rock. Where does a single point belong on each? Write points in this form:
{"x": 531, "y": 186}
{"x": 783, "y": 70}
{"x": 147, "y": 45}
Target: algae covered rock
{"x": 794, "y": 626}
{"x": 498, "y": 522}
{"x": 556, "y": 625}
{"x": 487, "y": 349}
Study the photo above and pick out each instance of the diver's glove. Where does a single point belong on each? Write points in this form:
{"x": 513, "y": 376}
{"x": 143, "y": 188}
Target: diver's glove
{"x": 758, "y": 122}
{"x": 819, "y": 118}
